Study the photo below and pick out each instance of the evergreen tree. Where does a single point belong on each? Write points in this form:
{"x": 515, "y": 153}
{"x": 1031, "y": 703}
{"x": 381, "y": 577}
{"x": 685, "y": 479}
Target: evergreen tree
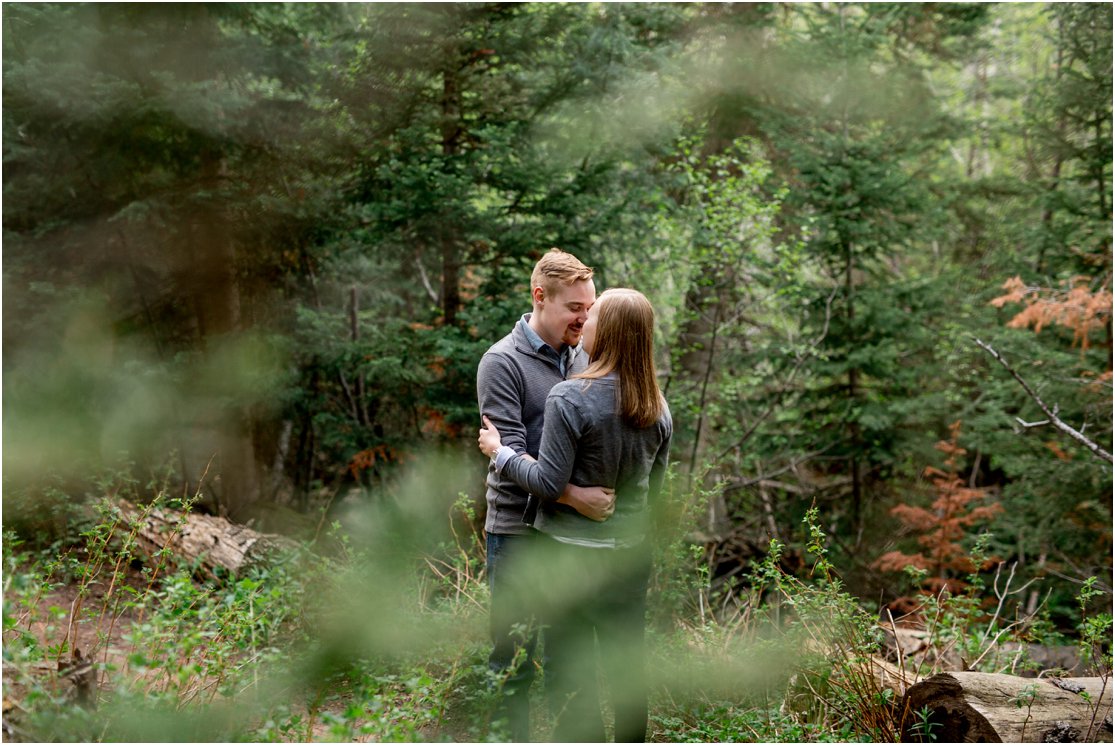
{"x": 151, "y": 156}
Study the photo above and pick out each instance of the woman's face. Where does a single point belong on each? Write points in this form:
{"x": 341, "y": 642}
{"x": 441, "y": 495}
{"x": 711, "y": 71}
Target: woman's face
{"x": 588, "y": 334}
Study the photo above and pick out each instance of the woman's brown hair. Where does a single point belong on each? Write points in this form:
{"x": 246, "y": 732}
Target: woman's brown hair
{"x": 624, "y": 343}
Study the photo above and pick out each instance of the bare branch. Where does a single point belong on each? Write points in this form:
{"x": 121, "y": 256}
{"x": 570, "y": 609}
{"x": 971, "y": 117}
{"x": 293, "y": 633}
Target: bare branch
{"x": 433, "y": 294}
{"x": 794, "y": 463}
{"x": 1051, "y": 413}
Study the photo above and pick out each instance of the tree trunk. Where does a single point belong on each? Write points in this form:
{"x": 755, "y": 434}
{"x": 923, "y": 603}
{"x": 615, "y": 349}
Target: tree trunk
{"x": 990, "y": 707}
{"x": 1047, "y": 239}
{"x": 217, "y": 288}
{"x": 205, "y": 541}
{"x": 694, "y": 370}
{"x": 451, "y": 133}
{"x": 854, "y": 431}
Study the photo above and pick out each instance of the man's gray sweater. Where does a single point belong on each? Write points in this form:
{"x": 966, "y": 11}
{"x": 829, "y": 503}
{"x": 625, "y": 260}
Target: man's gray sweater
{"x": 512, "y": 383}
{"x": 586, "y": 443}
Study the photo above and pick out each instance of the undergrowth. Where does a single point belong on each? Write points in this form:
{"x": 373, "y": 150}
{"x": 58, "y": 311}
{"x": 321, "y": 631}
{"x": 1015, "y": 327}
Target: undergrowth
{"x": 373, "y": 641}
{"x": 107, "y": 641}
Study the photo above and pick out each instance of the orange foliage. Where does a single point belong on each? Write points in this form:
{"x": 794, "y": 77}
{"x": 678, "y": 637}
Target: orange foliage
{"x": 434, "y": 423}
{"x": 1054, "y": 448}
{"x": 470, "y": 278}
{"x": 367, "y": 459}
{"x": 944, "y": 524}
{"x": 1074, "y": 306}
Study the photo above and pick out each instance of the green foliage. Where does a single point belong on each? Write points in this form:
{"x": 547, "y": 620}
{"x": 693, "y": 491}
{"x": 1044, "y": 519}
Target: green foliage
{"x": 1095, "y": 629}
{"x": 733, "y": 278}
{"x": 167, "y": 649}
{"x": 923, "y": 725}
{"x": 836, "y": 675}
{"x": 788, "y": 661}
{"x": 730, "y": 722}
{"x": 680, "y": 585}
{"x": 155, "y": 637}
{"x": 275, "y": 239}
{"x": 384, "y": 637}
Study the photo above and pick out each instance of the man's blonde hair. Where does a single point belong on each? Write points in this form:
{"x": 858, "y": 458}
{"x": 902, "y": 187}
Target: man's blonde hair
{"x": 556, "y": 268}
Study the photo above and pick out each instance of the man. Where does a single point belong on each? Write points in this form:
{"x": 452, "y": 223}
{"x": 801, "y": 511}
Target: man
{"x": 512, "y": 382}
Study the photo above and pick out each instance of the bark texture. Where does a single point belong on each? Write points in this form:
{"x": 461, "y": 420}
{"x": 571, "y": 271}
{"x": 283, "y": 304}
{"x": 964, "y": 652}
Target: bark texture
{"x": 207, "y": 541}
{"x": 991, "y": 707}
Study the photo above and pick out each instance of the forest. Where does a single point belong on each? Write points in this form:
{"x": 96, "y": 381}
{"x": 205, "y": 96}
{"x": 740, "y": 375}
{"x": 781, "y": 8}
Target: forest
{"x": 253, "y": 254}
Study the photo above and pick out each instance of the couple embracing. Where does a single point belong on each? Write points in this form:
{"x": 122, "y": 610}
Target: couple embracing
{"x": 578, "y": 434}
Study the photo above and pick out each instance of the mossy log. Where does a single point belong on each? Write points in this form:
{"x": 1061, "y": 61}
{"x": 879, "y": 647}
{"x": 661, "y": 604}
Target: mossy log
{"x": 991, "y": 707}
{"x": 206, "y": 542}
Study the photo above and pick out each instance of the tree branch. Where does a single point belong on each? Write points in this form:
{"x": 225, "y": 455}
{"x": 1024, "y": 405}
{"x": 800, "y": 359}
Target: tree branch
{"x": 1051, "y": 413}
{"x": 434, "y": 296}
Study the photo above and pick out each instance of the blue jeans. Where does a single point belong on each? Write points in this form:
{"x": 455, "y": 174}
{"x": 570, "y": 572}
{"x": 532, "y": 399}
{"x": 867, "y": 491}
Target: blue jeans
{"x": 513, "y": 627}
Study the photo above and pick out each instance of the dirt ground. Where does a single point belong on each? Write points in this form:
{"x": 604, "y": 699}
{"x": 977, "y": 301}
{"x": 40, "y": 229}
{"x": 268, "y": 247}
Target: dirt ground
{"x": 102, "y": 637}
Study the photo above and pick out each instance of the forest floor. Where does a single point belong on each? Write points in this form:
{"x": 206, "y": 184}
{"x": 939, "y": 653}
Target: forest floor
{"x": 108, "y": 647}
{"x": 335, "y": 714}
{"x": 332, "y": 648}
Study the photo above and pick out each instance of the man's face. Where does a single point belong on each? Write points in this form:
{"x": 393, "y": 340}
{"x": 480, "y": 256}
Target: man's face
{"x": 561, "y": 317}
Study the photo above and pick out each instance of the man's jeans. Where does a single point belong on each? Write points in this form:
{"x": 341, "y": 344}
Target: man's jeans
{"x": 513, "y": 627}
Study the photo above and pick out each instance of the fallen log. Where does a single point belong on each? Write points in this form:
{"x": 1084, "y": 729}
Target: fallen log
{"x": 992, "y": 707}
{"x": 205, "y": 541}
{"x": 915, "y": 647}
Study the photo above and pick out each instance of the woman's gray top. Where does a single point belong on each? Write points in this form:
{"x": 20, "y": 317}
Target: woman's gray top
{"x": 586, "y": 443}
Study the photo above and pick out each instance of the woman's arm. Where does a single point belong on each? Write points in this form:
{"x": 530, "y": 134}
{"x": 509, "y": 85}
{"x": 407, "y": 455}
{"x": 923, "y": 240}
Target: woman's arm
{"x": 658, "y": 469}
{"x": 594, "y": 502}
{"x": 660, "y": 518}
{"x": 548, "y": 476}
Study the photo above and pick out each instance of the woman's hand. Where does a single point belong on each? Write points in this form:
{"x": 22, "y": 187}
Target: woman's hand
{"x": 488, "y": 440}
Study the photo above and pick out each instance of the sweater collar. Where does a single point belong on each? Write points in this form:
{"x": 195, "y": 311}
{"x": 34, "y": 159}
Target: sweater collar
{"x": 563, "y": 357}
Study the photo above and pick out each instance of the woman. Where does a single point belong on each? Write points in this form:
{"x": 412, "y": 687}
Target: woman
{"x": 608, "y": 426}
